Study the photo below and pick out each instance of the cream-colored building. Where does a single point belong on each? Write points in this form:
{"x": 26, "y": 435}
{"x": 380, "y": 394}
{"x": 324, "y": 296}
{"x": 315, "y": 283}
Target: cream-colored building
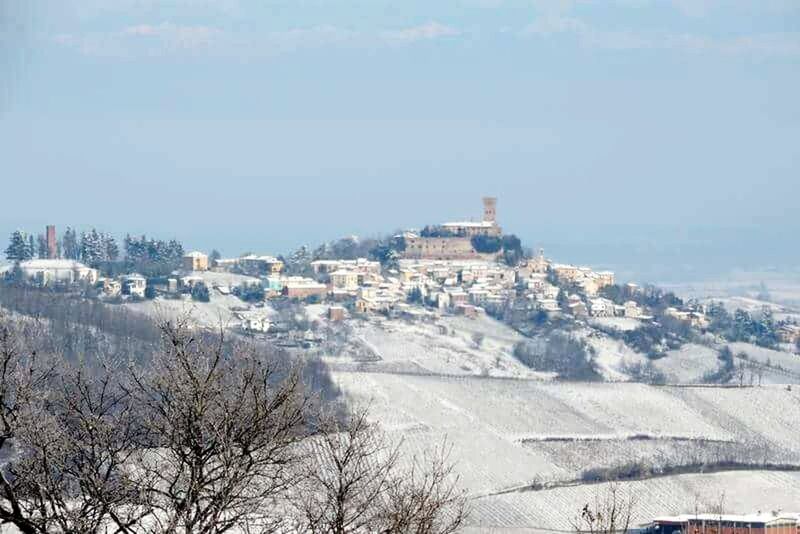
{"x": 260, "y": 265}
{"x": 343, "y": 280}
{"x": 195, "y": 261}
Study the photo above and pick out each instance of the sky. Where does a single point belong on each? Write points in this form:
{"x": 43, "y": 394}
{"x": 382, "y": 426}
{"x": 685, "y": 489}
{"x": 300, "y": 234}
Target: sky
{"x": 659, "y": 134}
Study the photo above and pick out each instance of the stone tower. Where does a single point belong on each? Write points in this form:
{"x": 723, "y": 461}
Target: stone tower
{"x": 489, "y": 209}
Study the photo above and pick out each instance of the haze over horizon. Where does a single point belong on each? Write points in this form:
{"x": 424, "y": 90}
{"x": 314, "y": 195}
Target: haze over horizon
{"x": 634, "y": 132}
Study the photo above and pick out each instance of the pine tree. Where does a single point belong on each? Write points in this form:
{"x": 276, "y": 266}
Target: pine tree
{"x": 44, "y": 251}
{"x": 111, "y": 247}
{"x": 71, "y": 247}
{"x": 299, "y": 261}
{"x": 19, "y": 247}
{"x": 94, "y": 247}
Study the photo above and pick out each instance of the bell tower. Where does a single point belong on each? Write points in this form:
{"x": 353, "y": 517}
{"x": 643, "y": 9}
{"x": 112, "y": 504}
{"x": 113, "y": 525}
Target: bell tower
{"x": 489, "y": 209}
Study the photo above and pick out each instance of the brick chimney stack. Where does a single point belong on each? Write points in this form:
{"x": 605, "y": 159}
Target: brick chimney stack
{"x": 51, "y": 242}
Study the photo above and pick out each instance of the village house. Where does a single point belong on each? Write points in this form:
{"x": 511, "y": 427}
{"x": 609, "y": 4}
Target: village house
{"x": 298, "y": 287}
{"x": 361, "y": 266}
{"x": 536, "y": 265}
{"x": 696, "y": 319}
{"x": 134, "y": 285}
{"x": 343, "y": 280}
{"x": 260, "y": 265}
{"x": 601, "y": 307}
{"x": 467, "y": 310}
{"x": 255, "y": 323}
{"x": 195, "y": 261}
{"x": 605, "y": 278}
{"x": 576, "y": 306}
{"x": 548, "y": 305}
{"x": 789, "y": 333}
{"x": 336, "y": 313}
{"x": 376, "y": 301}
{"x": 566, "y": 273}
{"x": 536, "y": 282}
{"x": 631, "y": 310}
{"x": 45, "y": 272}
{"x": 225, "y": 264}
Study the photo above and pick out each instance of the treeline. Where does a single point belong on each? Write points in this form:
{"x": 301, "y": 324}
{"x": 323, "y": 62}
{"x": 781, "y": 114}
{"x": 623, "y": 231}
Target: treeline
{"x": 80, "y": 328}
{"x": 151, "y": 257}
{"x": 385, "y": 250}
{"x": 651, "y": 297}
{"x": 209, "y": 435}
{"x": 761, "y": 330}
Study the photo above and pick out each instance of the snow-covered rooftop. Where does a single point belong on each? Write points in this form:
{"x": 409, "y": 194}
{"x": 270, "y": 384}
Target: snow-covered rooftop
{"x": 52, "y": 264}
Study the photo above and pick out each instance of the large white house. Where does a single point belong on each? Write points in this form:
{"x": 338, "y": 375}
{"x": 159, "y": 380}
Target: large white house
{"x": 46, "y": 271}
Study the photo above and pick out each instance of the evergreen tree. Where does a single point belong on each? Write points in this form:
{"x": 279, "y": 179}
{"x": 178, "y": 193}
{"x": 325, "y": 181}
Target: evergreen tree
{"x": 111, "y": 247}
{"x": 31, "y": 247}
{"x": 200, "y": 292}
{"x": 92, "y": 248}
{"x": 19, "y": 247}
{"x": 299, "y": 261}
{"x": 43, "y": 250}
{"x": 71, "y": 247}
{"x": 214, "y": 256}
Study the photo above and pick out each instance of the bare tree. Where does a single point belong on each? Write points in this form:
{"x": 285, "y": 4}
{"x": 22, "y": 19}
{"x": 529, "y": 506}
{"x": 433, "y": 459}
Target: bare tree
{"x": 357, "y": 484}
{"x": 66, "y": 433}
{"x": 223, "y": 433}
{"x": 425, "y": 499}
{"x": 610, "y": 513}
{"x": 719, "y": 510}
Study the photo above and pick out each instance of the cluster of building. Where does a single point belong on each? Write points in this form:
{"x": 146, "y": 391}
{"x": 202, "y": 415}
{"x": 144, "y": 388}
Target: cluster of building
{"x": 545, "y": 282}
{"x": 775, "y": 522}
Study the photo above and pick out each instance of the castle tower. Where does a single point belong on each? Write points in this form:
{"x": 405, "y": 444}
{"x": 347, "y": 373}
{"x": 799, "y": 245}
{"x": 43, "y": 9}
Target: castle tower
{"x": 51, "y": 242}
{"x": 489, "y": 209}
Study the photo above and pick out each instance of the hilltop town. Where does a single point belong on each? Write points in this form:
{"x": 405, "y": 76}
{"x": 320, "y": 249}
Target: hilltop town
{"x": 456, "y": 330}
{"x": 467, "y": 268}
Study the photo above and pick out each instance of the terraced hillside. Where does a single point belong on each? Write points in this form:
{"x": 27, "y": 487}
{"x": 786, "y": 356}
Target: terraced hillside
{"x": 511, "y": 436}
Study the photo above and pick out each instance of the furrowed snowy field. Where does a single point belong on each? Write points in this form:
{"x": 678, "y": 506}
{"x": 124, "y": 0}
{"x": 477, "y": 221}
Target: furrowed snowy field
{"x": 555, "y": 508}
{"x": 511, "y": 434}
{"x": 513, "y": 430}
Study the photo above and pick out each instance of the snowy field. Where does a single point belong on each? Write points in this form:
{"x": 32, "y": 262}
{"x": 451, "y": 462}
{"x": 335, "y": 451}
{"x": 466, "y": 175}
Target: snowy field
{"x": 446, "y": 347}
{"x": 688, "y": 365}
{"x": 611, "y": 355}
{"x": 556, "y": 508}
{"x": 528, "y": 425}
{"x": 778, "y": 359}
{"x": 213, "y": 279}
{"x": 212, "y": 314}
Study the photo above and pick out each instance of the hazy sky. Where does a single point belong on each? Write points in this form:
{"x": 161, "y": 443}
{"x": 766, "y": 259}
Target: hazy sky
{"x": 600, "y": 125}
